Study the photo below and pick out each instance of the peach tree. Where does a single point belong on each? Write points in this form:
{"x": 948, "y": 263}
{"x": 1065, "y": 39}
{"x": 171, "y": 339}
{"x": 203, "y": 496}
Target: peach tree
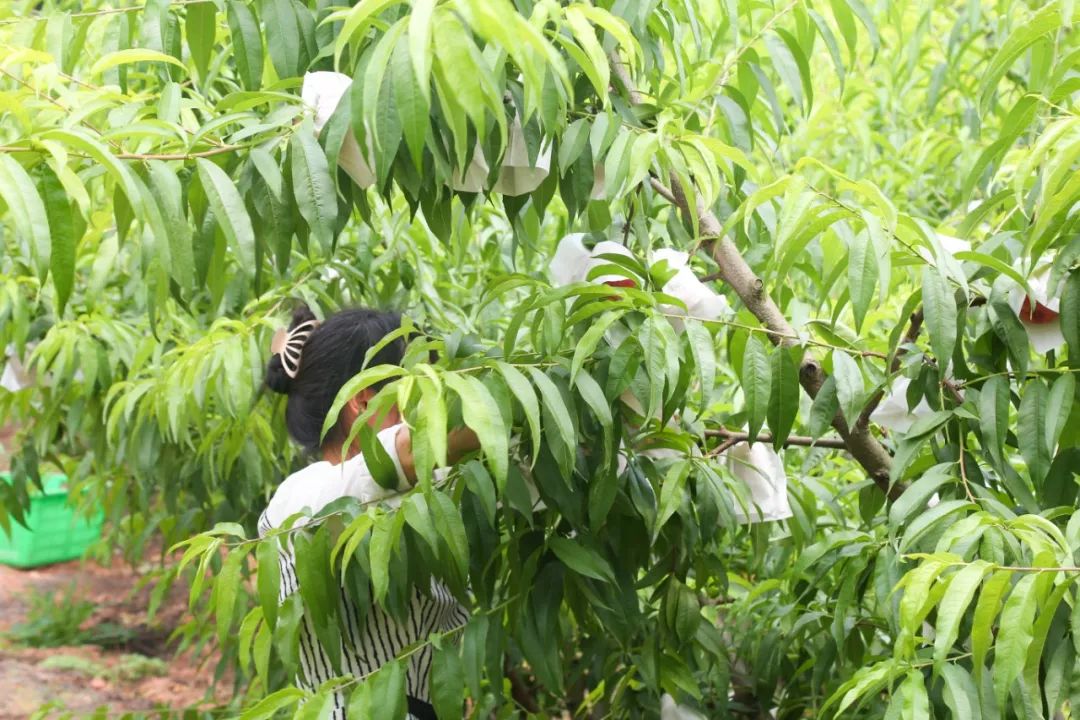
{"x": 883, "y": 194}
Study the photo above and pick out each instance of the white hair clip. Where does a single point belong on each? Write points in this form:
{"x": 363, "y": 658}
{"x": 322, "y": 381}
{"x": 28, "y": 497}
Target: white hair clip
{"x": 289, "y": 344}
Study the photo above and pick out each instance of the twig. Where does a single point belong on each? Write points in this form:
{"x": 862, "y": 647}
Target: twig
{"x": 96, "y": 13}
{"x": 662, "y": 191}
{"x": 711, "y": 277}
{"x": 179, "y": 156}
{"x": 219, "y": 150}
{"x": 724, "y": 446}
{"x": 734, "y": 437}
{"x": 51, "y": 99}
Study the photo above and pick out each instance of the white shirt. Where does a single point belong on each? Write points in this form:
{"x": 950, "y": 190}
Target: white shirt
{"x": 380, "y": 639}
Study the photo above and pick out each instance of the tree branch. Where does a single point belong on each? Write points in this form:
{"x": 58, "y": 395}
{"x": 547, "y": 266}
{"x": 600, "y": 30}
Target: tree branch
{"x": 792, "y": 440}
{"x": 221, "y": 149}
{"x": 734, "y": 271}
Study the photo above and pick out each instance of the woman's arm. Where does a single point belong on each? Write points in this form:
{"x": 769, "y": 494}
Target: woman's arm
{"x": 459, "y": 442}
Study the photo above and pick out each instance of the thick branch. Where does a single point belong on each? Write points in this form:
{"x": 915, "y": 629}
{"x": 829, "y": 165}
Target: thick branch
{"x": 733, "y": 269}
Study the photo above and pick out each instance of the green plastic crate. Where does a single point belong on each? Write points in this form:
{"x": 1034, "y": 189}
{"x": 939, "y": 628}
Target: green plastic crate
{"x": 55, "y": 532}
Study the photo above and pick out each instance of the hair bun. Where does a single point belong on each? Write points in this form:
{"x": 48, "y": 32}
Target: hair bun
{"x": 276, "y": 378}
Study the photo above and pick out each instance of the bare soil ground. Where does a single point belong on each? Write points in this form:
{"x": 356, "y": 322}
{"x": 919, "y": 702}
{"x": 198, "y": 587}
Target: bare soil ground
{"x": 141, "y": 674}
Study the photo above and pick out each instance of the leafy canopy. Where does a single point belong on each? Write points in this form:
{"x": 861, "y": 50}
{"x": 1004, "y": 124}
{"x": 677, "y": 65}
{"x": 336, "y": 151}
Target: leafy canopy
{"x": 887, "y": 192}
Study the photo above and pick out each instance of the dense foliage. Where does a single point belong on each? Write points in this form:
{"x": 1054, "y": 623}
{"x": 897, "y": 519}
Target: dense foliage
{"x": 886, "y": 191}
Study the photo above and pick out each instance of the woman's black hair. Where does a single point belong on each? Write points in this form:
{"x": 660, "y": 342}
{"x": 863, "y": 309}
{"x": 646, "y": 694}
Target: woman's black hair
{"x": 332, "y": 354}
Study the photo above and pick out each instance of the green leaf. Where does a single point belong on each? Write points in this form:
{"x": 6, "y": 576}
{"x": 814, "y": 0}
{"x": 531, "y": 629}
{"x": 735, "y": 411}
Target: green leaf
{"x": 867, "y": 20}
{"x": 801, "y": 63}
{"x": 784, "y": 400}
{"x": 350, "y": 540}
{"x": 986, "y": 610}
{"x": 756, "y": 382}
{"x": 273, "y": 704}
{"x": 961, "y": 696}
{"x": 269, "y": 579}
{"x": 357, "y": 20}
{"x": 586, "y": 347}
{"x": 410, "y": 102}
{"x": 457, "y": 58}
{"x": 526, "y": 397}
{"x": 418, "y": 517}
{"x": 200, "y": 26}
{"x": 481, "y": 485}
{"x": 595, "y": 66}
{"x": 447, "y": 681}
{"x": 433, "y": 409}
{"x": 580, "y": 559}
{"x": 1047, "y": 610}
{"x": 1070, "y": 316}
{"x": 954, "y": 604}
{"x": 574, "y": 141}
{"x": 313, "y": 187}
{"x": 1046, "y": 20}
{"x": 251, "y": 621}
{"x": 593, "y": 396}
{"x": 704, "y": 352}
{"x": 914, "y": 701}
{"x": 283, "y": 41}
{"x": 849, "y": 385}
{"x": 1008, "y": 327}
{"x": 1014, "y": 636}
{"x": 994, "y": 412}
{"x": 787, "y": 67}
{"x": 385, "y": 694}
{"x": 318, "y": 707}
{"x": 556, "y": 408}
{"x": 917, "y": 495}
{"x": 378, "y": 460}
{"x": 287, "y": 632}
{"x": 132, "y": 55}
{"x": 1031, "y": 431}
{"x": 862, "y": 275}
{"x": 915, "y": 601}
{"x": 1058, "y": 408}
{"x": 230, "y": 212}
{"x": 451, "y": 530}
{"x": 472, "y": 654}
{"x": 824, "y": 408}
{"x": 992, "y": 262}
{"x": 367, "y": 378}
{"x": 930, "y": 520}
{"x": 247, "y": 43}
{"x": 319, "y": 590}
{"x": 169, "y": 195}
{"x": 226, "y": 588}
{"x": 384, "y": 535}
{"x": 420, "y": 44}
{"x": 830, "y": 43}
{"x": 27, "y": 210}
{"x": 61, "y": 218}
{"x": 672, "y": 492}
{"x": 481, "y": 414}
{"x": 939, "y": 308}
{"x": 269, "y": 171}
